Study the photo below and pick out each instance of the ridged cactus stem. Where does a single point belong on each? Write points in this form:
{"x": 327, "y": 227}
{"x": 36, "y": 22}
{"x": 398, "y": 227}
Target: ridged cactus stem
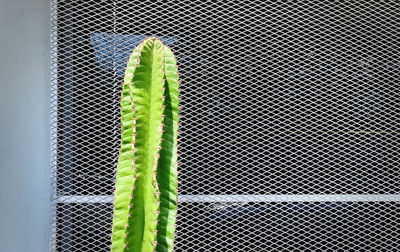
{"x": 145, "y": 204}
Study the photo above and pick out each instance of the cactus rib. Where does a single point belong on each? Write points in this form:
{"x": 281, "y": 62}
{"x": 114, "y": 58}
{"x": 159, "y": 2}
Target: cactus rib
{"x": 167, "y": 166}
{"x": 145, "y": 203}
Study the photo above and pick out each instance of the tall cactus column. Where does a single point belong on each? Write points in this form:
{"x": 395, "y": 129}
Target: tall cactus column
{"x": 145, "y": 204}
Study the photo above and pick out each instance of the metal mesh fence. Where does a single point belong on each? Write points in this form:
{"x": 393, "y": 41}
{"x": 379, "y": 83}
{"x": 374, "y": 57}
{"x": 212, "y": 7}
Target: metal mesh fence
{"x": 290, "y": 127}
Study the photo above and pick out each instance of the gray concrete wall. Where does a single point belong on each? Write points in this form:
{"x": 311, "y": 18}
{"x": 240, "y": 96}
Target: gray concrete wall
{"x": 24, "y": 130}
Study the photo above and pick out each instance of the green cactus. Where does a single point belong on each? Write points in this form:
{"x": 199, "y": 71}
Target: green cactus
{"x": 145, "y": 204}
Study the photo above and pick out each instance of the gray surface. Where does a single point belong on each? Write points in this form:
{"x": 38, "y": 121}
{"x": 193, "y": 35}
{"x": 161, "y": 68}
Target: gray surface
{"x": 24, "y": 137}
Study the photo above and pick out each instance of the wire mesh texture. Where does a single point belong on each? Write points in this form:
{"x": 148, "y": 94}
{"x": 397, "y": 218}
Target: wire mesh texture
{"x": 290, "y": 128}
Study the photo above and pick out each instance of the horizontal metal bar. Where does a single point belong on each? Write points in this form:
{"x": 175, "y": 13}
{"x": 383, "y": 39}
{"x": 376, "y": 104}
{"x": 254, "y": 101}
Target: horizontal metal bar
{"x": 85, "y": 199}
{"x": 251, "y": 198}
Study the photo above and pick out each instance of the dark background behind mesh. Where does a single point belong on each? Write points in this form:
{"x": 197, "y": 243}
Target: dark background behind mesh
{"x": 279, "y": 98}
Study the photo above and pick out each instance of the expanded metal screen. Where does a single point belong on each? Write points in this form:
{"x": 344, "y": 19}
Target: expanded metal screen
{"x": 290, "y": 127}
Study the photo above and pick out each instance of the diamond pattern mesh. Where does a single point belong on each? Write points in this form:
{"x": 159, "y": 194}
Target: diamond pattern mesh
{"x": 279, "y": 99}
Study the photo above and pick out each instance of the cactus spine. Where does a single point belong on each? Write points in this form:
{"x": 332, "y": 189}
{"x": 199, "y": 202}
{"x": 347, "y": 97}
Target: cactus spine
{"x": 145, "y": 204}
